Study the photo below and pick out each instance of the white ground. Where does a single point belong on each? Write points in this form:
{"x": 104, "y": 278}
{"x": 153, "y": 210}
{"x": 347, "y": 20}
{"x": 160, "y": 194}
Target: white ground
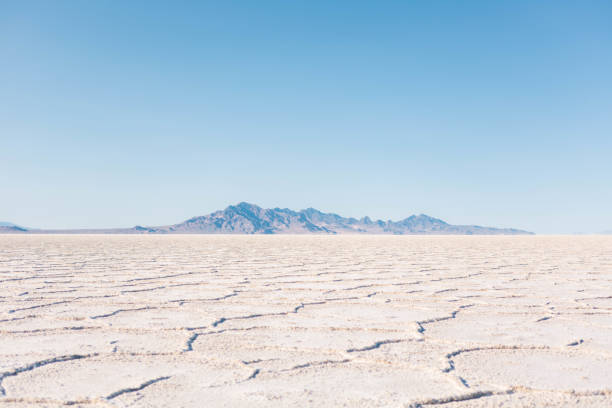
{"x": 204, "y": 321}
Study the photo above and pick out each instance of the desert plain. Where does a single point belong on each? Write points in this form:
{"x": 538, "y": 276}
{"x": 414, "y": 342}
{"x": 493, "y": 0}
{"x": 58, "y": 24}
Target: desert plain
{"x": 356, "y": 321}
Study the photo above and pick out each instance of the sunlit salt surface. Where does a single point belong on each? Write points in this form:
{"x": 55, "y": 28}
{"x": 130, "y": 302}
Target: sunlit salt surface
{"x": 204, "y": 321}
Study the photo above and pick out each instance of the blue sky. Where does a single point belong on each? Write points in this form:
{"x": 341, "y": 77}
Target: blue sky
{"x": 121, "y": 113}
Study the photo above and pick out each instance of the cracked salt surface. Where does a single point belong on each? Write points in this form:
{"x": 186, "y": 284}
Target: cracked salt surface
{"x": 191, "y": 321}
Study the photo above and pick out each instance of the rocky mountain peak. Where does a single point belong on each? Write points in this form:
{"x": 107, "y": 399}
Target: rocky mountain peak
{"x": 248, "y": 218}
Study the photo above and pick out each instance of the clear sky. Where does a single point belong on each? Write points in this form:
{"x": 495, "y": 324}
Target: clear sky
{"x": 495, "y": 113}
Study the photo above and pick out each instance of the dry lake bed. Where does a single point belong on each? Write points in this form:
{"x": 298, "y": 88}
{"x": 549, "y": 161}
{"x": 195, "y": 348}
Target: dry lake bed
{"x": 389, "y": 321}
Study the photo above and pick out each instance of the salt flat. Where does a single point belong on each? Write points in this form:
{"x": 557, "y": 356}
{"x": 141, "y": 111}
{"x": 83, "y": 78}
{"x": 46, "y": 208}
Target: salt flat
{"x": 204, "y": 321}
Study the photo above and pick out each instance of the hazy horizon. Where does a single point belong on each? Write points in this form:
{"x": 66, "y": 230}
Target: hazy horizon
{"x": 5, "y": 223}
{"x": 148, "y": 113}
{"x": 180, "y": 219}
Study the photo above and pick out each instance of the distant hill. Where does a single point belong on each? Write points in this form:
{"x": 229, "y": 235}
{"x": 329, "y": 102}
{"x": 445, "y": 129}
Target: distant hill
{"x": 245, "y": 218}
{"x": 8, "y": 227}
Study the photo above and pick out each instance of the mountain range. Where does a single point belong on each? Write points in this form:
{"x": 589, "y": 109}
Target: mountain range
{"x": 245, "y": 218}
